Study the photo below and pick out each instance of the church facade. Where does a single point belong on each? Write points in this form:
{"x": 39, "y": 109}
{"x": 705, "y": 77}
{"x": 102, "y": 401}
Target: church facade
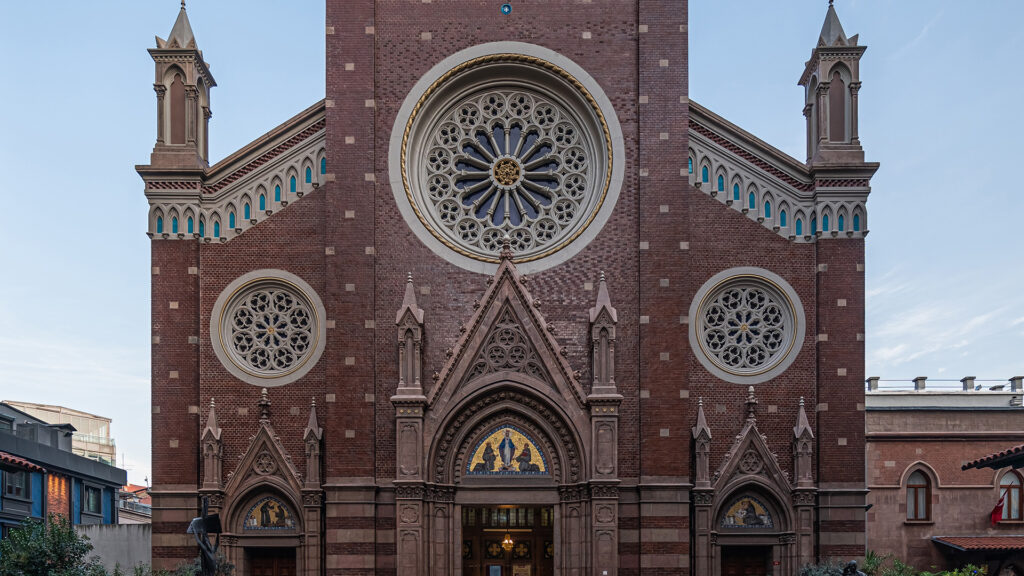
{"x": 507, "y": 302}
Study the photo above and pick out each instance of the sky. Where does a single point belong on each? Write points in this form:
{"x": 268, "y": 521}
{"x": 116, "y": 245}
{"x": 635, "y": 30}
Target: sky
{"x": 944, "y": 266}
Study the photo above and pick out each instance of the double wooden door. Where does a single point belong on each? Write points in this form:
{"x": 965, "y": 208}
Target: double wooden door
{"x": 270, "y": 562}
{"x": 746, "y": 561}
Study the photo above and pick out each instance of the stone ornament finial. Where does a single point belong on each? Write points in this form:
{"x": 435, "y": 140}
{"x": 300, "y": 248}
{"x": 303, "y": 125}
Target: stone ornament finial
{"x": 506, "y": 247}
{"x": 264, "y": 405}
{"x": 751, "y": 405}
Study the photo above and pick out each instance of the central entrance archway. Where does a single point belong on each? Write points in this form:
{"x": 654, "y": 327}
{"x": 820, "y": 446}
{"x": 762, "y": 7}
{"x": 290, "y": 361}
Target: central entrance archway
{"x": 508, "y": 540}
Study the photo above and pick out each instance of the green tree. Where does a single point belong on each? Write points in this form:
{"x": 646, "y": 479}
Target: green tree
{"x": 47, "y": 548}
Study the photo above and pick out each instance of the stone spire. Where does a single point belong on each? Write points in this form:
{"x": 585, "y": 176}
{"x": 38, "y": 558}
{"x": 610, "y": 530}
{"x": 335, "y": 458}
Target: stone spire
{"x": 604, "y": 302}
{"x": 832, "y": 33}
{"x": 803, "y": 427}
{"x": 702, "y": 448}
{"x": 409, "y": 303}
{"x": 181, "y": 34}
{"x": 313, "y": 429}
{"x": 212, "y": 428}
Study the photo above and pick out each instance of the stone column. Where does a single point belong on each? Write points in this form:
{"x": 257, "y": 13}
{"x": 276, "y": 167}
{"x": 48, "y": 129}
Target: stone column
{"x": 191, "y": 113}
{"x": 823, "y": 114}
{"x": 854, "y": 134}
{"x": 161, "y": 92}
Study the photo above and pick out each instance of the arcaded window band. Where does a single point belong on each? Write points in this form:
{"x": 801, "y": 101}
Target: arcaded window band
{"x": 267, "y": 328}
{"x": 746, "y": 325}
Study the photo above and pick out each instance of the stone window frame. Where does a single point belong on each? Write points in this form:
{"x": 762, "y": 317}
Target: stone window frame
{"x": 772, "y": 281}
{"x": 927, "y": 488}
{"x": 537, "y": 61}
{"x": 268, "y": 276}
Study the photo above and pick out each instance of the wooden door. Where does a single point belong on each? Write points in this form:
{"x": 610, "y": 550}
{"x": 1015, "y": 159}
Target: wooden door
{"x": 746, "y": 561}
{"x": 272, "y": 563}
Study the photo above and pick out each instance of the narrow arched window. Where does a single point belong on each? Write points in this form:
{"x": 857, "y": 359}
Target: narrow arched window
{"x": 216, "y": 229}
{"x": 814, "y": 225}
{"x": 918, "y": 497}
{"x": 202, "y": 229}
{"x": 782, "y": 218}
{"x": 159, "y": 225}
{"x": 767, "y": 209}
{"x": 291, "y": 184}
{"x": 323, "y": 165}
{"x": 799, "y": 227}
{"x": 824, "y": 223}
{"x": 277, "y": 193}
{"x": 263, "y": 202}
{"x": 751, "y": 201}
{"x": 191, "y": 225}
{"x": 1010, "y": 492}
{"x": 704, "y": 174}
{"x": 690, "y": 165}
{"x": 174, "y": 225}
{"x": 837, "y": 108}
{"x": 177, "y": 109}
{"x": 856, "y": 222}
{"x": 735, "y": 192}
{"x": 231, "y": 220}
{"x": 841, "y": 224}
{"x": 309, "y": 175}
{"x": 721, "y": 184}
{"x": 245, "y": 210}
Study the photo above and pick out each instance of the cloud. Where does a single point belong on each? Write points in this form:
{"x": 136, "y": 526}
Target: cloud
{"x": 909, "y": 46}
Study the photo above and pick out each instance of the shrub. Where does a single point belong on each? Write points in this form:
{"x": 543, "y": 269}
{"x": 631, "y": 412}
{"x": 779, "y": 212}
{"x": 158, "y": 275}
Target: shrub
{"x": 47, "y": 548}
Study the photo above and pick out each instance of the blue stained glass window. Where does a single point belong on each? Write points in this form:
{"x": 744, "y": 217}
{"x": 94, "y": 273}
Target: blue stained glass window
{"x": 263, "y": 202}
{"x": 814, "y": 225}
{"x": 277, "y": 193}
{"x": 782, "y": 218}
{"x": 767, "y": 209}
{"x": 231, "y": 220}
{"x": 842, "y": 225}
{"x": 323, "y": 165}
{"x": 216, "y": 229}
{"x": 856, "y": 222}
{"x": 245, "y": 210}
{"x": 824, "y": 223}
{"x": 174, "y": 225}
{"x": 721, "y": 184}
{"x": 704, "y": 174}
{"x": 202, "y": 229}
{"x": 190, "y": 225}
{"x": 159, "y": 225}
{"x": 799, "y": 227}
{"x": 751, "y": 201}
{"x": 691, "y": 165}
{"x": 735, "y": 192}
{"x": 309, "y": 175}
{"x": 291, "y": 184}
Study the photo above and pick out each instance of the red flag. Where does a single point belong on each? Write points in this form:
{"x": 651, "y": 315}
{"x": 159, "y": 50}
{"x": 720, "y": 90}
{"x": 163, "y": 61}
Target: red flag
{"x": 997, "y": 512}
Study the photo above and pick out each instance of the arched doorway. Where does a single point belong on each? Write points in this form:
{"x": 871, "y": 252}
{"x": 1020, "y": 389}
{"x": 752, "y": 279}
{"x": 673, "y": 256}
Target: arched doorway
{"x": 752, "y": 536}
{"x": 263, "y": 534}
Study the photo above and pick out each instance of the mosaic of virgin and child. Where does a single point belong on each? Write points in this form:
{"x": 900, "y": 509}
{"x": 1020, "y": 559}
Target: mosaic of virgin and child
{"x": 506, "y": 452}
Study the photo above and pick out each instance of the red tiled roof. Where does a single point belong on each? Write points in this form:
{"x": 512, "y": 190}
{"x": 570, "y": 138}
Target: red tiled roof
{"x": 997, "y": 458}
{"x": 973, "y": 543}
{"x": 13, "y": 460}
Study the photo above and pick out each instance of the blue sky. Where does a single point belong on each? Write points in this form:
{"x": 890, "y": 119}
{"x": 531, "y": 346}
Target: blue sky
{"x": 939, "y": 110}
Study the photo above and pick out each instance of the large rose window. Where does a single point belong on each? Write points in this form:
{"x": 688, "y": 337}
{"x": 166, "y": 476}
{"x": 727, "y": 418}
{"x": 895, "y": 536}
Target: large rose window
{"x": 508, "y": 162}
{"x": 506, "y": 144}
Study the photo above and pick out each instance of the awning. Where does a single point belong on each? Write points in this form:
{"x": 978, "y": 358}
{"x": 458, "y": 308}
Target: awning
{"x": 981, "y": 543}
{"x": 1010, "y": 457}
{"x": 12, "y": 460}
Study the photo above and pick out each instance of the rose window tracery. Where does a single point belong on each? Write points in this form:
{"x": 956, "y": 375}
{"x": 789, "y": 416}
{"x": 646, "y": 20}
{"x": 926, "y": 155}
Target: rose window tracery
{"x": 508, "y": 162}
{"x": 269, "y": 329}
{"x": 746, "y": 326}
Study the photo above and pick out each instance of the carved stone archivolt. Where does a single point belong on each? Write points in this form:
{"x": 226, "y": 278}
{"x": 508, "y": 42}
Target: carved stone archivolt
{"x": 564, "y": 436}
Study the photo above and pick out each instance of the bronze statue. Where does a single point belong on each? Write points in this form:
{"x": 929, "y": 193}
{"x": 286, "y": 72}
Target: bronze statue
{"x": 201, "y": 528}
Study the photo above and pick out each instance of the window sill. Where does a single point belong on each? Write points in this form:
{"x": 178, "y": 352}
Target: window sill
{"x": 1011, "y": 522}
{"x": 92, "y": 514}
{"x": 25, "y": 499}
{"x": 919, "y": 522}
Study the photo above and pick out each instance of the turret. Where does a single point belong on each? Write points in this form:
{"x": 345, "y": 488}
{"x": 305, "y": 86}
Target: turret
{"x": 831, "y": 81}
{"x": 182, "y": 85}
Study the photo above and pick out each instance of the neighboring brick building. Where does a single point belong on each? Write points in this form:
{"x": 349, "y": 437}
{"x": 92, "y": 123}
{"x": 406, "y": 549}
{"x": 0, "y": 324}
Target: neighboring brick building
{"x": 925, "y": 508}
{"x": 39, "y": 474}
{"x": 555, "y": 317}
